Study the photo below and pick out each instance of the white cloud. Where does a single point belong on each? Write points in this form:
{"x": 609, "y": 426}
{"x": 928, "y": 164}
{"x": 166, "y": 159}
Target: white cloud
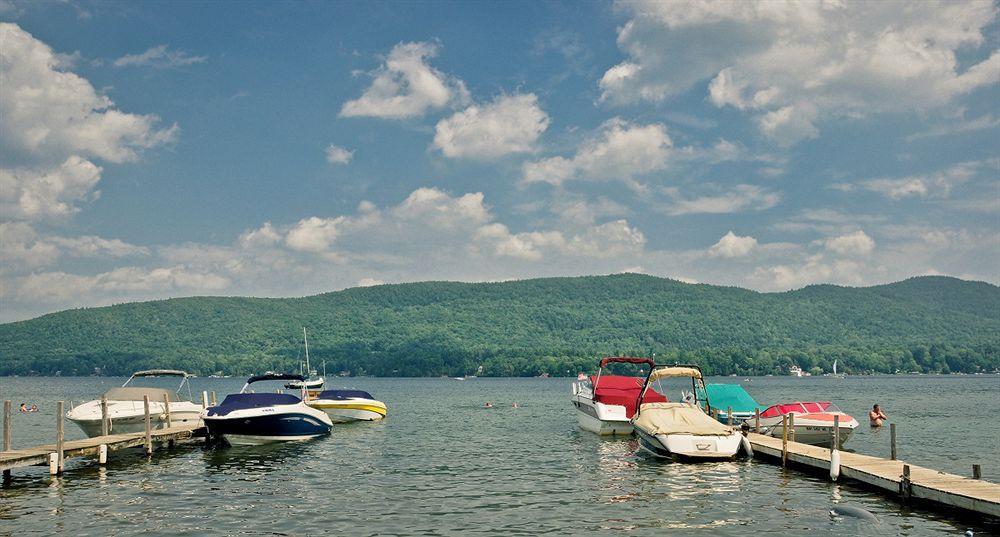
{"x": 50, "y": 114}
{"x": 509, "y": 124}
{"x": 439, "y": 210}
{"x": 622, "y": 151}
{"x": 741, "y": 198}
{"x": 314, "y": 234}
{"x": 338, "y": 155}
{"x": 48, "y": 192}
{"x": 368, "y": 282}
{"x": 795, "y": 64}
{"x": 407, "y": 86}
{"x": 159, "y": 57}
{"x": 938, "y": 184}
{"x": 852, "y": 244}
{"x": 984, "y": 122}
{"x": 732, "y": 245}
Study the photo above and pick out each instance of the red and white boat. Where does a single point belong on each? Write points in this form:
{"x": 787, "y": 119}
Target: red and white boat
{"x": 813, "y": 422}
{"x": 605, "y": 404}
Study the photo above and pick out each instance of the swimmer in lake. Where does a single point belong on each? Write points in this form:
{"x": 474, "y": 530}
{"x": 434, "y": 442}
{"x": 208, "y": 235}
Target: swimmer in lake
{"x": 488, "y": 405}
{"x": 876, "y": 417}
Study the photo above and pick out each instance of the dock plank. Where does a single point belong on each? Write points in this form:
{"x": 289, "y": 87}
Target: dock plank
{"x": 974, "y": 495}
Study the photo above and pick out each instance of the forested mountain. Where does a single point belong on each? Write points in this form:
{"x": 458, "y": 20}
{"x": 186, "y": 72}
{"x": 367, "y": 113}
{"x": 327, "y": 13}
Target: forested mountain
{"x": 553, "y": 325}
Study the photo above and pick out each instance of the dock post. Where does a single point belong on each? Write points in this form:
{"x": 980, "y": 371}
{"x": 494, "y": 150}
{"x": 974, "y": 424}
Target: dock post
{"x": 977, "y": 471}
{"x": 715, "y": 414}
{"x": 149, "y": 432}
{"x": 60, "y": 415}
{"x": 6, "y": 434}
{"x": 729, "y": 416}
{"x": 836, "y": 431}
{"x": 756, "y": 420}
{"x": 892, "y": 440}
{"x": 784, "y": 440}
{"x": 904, "y": 483}
{"x": 105, "y": 424}
{"x": 102, "y": 454}
{"x": 213, "y": 399}
{"x": 204, "y": 399}
{"x": 791, "y": 427}
{"x": 166, "y": 409}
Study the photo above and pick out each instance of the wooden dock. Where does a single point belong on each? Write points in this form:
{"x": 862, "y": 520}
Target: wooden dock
{"x": 98, "y": 446}
{"x": 905, "y": 481}
{"x": 92, "y": 447}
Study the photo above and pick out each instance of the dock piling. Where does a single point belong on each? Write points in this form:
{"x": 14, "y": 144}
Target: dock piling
{"x": 756, "y": 420}
{"x": 166, "y": 408}
{"x": 60, "y": 435}
{"x": 892, "y": 441}
{"x": 105, "y": 423}
{"x": 204, "y": 399}
{"x": 149, "y": 431}
{"x": 784, "y": 440}
{"x": 729, "y": 416}
{"x": 905, "y": 488}
{"x": 977, "y": 471}
{"x": 715, "y": 414}
{"x": 836, "y": 431}
{"x": 102, "y": 454}
{"x": 6, "y": 434}
{"x": 213, "y": 399}
{"x": 791, "y": 427}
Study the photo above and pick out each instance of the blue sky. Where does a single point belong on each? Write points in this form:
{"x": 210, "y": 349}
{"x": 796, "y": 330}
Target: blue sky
{"x": 153, "y": 150}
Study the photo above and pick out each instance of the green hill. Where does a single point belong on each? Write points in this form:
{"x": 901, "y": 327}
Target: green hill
{"x": 553, "y": 325}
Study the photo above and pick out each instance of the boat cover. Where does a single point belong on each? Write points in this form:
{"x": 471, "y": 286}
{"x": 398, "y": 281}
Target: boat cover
{"x": 624, "y": 391}
{"x": 340, "y": 395}
{"x": 798, "y": 407}
{"x": 724, "y": 396}
{"x": 676, "y": 371}
{"x": 241, "y": 401}
{"x": 678, "y": 418}
{"x": 135, "y": 393}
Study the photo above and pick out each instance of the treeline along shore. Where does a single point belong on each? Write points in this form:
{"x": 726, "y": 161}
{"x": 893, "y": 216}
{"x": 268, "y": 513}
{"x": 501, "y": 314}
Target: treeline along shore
{"x": 557, "y": 326}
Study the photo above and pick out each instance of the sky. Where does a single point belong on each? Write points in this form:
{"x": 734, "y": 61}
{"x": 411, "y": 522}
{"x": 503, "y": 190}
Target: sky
{"x": 163, "y": 149}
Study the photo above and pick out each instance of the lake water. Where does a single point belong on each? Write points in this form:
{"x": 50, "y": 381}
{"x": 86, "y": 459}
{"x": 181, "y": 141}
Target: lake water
{"x": 443, "y": 465}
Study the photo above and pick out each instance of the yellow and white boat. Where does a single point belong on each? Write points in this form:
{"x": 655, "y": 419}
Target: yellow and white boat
{"x": 344, "y": 406}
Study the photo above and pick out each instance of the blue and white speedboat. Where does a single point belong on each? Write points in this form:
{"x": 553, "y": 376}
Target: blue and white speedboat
{"x": 249, "y": 418}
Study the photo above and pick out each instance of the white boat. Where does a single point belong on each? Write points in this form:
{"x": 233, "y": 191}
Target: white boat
{"x": 308, "y": 384}
{"x": 813, "y": 422}
{"x": 344, "y": 406}
{"x": 684, "y": 430}
{"x": 249, "y": 418}
{"x": 126, "y": 410}
{"x": 605, "y": 403}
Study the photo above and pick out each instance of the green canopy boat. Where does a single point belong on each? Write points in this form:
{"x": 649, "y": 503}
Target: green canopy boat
{"x": 725, "y": 396}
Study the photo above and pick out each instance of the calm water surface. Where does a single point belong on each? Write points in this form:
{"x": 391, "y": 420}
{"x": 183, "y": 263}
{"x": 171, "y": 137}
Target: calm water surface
{"x": 443, "y": 465}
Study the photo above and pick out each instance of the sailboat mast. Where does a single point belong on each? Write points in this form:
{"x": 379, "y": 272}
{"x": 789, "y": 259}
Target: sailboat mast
{"x": 306, "y": 340}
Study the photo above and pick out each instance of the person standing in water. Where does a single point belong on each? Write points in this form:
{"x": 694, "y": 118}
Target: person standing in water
{"x": 876, "y": 416}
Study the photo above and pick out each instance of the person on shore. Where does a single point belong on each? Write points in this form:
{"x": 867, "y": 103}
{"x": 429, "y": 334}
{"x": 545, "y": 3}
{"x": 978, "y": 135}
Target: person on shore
{"x": 876, "y": 417}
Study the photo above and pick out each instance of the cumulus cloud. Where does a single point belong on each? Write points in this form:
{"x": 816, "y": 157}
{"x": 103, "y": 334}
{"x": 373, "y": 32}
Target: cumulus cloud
{"x": 48, "y": 192}
{"x": 621, "y": 151}
{"x": 338, "y": 155}
{"x": 740, "y": 198}
{"x": 732, "y": 245}
{"x": 314, "y": 234}
{"x": 509, "y": 124}
{"x": 159, "y": 57}
{"x": 54, "y": 123}
{"x": 794, "y": 64}
{"x": 852, "y": 244}
{"x": 406, "y": 86}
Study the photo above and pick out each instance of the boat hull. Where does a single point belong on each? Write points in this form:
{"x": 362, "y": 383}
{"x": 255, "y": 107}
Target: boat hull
{"x": 687, "y": 446}
{"x": 351, "y": 410}
{"x": 816, "y": 435}
{"x": 130, "y": 416}
{"x": 598, "y": 418}
{"x": 266, "y": 428}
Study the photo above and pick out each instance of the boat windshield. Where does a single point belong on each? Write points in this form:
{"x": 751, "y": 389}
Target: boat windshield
{"x": 121, "y": 393}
